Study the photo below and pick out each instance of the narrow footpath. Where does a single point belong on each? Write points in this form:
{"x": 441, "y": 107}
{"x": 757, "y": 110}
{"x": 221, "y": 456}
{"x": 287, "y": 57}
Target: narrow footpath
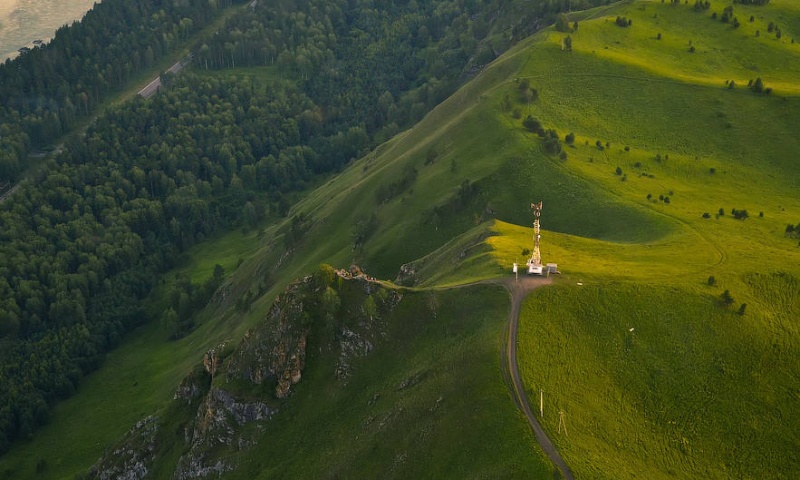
{"x": 519, "y": 290}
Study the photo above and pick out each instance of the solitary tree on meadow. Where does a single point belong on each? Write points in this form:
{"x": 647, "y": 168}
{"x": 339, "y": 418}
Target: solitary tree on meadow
{"x": 726, "y": 298}
{"x": 758, "y": 85}
{"x": 562, "y": 24}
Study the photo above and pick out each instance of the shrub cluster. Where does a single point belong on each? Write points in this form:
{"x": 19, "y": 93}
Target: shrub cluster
{"x": 757, "y": 86}
{"x": 388, "y": 191}
{"x": 727, "y": 16}
{"x": 793, "y": 231}
{"x": 527, "y": 94}
{"x": 533, "y": 125}
{"x": 740, "y": 214}
{"x": 623, "y": 22}
{"x": 562, "y": 24}
{"x": 552, "y": 144}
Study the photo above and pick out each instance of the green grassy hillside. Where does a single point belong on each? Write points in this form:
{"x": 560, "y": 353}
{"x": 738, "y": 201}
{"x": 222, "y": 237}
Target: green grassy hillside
{"x": 693, "y": 391}
{"x": 656, "y": 376}
{"x": 429, "y": 402}
{"x": 661, "y": 381}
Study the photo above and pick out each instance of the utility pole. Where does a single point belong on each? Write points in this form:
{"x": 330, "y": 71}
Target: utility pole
{"x": 541, "y": 403}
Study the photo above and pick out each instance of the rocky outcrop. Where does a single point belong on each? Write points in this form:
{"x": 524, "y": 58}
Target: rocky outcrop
{"x": 216, "y": 428}
{"x": 345, "y": 311}
{"x": 275, "y": 352}
{"x": 190, "y": 389}
{"x": 220, "y": 407}
{"x": 353, "y": 345}
{"x": 212, "y": 361}
{"x": 133, "y": 457}
{"x": 363, "y": 325}
{"x": 407, "y": 275}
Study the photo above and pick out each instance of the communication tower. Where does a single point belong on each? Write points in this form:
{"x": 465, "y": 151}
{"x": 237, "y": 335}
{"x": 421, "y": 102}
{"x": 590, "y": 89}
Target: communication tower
{"x": 535, "y": 262}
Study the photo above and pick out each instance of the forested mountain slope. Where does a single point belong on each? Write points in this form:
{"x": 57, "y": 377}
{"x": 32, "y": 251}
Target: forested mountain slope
{"x": 47, "y": 91}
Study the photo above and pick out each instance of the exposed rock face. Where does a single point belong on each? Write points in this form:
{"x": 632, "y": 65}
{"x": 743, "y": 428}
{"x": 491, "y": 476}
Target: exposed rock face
{"x": 364, "y": 326}
{"x": 345, "y": 309}
{"x": 194, "y": 467}
{"x": 215, "y": 426}
{"x": 220, "y": 406}
{"x": 189, "y": 389}
{"x": 133, "y": 457}
{"x": 211, "y": 361}
{"x": 353, "y": 346}
{"x": 275, "y": 352}
{"x": 407, "y": 275}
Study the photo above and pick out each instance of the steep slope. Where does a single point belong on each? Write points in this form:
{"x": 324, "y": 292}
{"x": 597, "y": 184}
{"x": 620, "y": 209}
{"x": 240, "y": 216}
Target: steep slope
{"x": 344, "y": 377}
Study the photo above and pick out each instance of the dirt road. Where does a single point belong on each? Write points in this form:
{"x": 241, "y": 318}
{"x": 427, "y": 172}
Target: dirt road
{"x": 519, "y": 290}
{"x": 9, "y": 192}
{"x": 153, "y": 86}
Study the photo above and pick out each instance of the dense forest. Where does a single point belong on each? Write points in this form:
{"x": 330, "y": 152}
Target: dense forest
{"x": 44, "y": 92}
{"x": 382, "y": 64}
{"x": 82, "y": 244}
{"x": 81, "y": 248}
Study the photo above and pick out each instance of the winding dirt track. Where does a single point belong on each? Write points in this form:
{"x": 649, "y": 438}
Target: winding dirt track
{"x": 519, "y": 290}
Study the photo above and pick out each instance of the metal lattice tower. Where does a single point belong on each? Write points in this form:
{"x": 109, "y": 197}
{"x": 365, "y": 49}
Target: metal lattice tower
{"x": 536, "y": 257}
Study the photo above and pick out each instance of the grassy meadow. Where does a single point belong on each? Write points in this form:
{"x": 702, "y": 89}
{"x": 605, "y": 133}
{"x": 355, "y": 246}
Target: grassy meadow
{"x": 660, "y": 381}
{"x": 656, "y": 376}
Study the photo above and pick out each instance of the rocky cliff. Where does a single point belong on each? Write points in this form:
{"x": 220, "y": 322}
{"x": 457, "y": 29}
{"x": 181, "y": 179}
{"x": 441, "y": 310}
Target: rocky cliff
{"x": 237, "y": 390}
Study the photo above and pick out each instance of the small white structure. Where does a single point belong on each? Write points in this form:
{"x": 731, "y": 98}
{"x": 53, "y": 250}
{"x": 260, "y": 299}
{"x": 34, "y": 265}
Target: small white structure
{"x": 534, "y": 269}
{"x": 552, "y": 268}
